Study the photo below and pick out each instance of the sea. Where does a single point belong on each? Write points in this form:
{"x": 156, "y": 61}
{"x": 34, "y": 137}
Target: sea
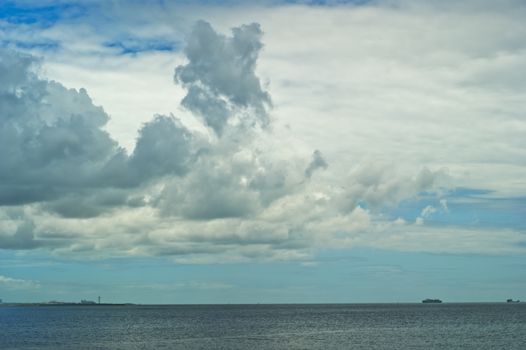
{"x": 322, "y": 326}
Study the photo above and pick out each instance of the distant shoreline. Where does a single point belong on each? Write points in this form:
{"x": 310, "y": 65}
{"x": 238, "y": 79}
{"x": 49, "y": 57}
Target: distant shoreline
{"x": 66, "y": 304}
{"x": 59, "y": 304}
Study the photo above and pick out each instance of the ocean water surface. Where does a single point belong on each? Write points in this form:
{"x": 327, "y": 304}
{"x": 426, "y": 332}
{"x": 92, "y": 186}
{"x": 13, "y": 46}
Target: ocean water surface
{"x": 323, "y": 326}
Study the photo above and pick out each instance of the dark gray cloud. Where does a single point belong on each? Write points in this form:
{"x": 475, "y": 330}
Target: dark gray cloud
{"x": 317, "y": 162}
{"x": 23, "y": 238}
{"x": 220, "y": 76}
{"x": 88, "y": 203}
{"x": 54, "y": 149}
{"x": 164, "y": 147}
{"x": 51, "y": 138}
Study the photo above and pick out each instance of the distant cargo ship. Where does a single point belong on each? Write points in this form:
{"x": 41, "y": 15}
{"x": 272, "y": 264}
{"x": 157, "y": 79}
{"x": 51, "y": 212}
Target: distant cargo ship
{"x": 432, "y": 301}
{"x": 513, "y": 301}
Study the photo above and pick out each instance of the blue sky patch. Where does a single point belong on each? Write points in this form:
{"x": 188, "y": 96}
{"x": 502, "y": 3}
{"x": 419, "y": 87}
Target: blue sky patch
{"x": 464, "y": 207}
{"x": 44, "y": 16}
{"x": 26, "y": 45}
{"x": 136, "y": 45}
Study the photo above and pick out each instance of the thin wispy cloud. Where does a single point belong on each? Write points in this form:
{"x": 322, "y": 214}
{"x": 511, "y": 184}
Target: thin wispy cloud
{"x": 16, "y": 283}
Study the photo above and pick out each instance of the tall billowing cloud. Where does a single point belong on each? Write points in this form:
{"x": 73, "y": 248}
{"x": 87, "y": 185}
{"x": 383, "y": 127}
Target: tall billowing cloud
{"x": 231, "y": 178}
{"x": 220, "y": 76}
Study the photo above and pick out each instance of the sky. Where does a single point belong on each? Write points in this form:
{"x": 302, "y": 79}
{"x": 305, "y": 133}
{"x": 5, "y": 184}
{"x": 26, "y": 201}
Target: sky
{"x": 266, "y": 152}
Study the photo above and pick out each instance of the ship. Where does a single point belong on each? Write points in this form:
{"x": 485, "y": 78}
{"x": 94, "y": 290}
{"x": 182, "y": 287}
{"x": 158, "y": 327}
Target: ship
{"x": 432, "y": 301}
{"x": 513, "y": 301}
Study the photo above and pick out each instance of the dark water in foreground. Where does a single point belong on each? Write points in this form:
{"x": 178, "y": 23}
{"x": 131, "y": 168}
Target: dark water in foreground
{"x": 374, "y": 326}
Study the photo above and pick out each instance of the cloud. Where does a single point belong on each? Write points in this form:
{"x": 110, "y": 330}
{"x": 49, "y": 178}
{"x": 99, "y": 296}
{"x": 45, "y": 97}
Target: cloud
{"x": 229, "y": 178}
{"x": 427, "y": 211}
{"x": 317, "y": 162}
{"x": 15, "y": 283}
{"x": 220, "y": 76}
{"x": 228, "y": 182}
{"x": 379, "y": 186}
{"x": 58, "y": 160}
{"x": 22, "y": 238}
{"x": 455, "y": 240}
{"x": 51, "y": 138}
{"x": 210, "y": 194}
{"x": 164, "y": 147}
{"x": 55, "y": 151}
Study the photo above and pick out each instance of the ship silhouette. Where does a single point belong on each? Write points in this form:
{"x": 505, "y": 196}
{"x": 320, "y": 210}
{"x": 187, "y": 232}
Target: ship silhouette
{"x": 432, "y": 301}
